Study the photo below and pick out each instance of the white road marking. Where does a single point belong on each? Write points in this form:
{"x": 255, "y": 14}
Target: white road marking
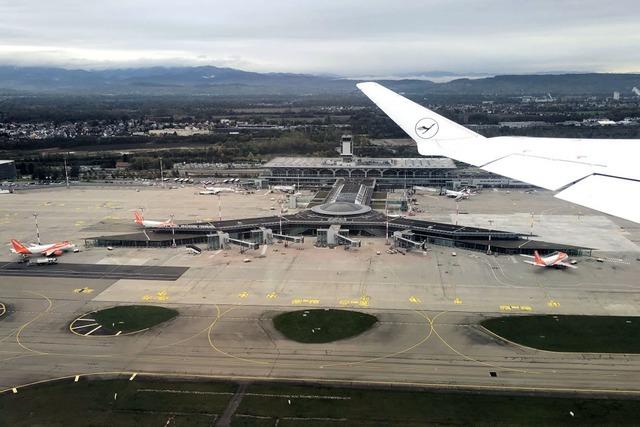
{"x": 93, "y": 330}
{"x": 87, "y": 325}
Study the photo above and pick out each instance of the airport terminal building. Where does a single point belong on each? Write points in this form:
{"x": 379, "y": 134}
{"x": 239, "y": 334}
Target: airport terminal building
{"x": 388, "y": 172}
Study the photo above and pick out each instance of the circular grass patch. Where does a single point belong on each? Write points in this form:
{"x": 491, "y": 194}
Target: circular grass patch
{"x": 570, "y": 333}
{"x": 133, "y": 318}
{"x": 322, "y": 325}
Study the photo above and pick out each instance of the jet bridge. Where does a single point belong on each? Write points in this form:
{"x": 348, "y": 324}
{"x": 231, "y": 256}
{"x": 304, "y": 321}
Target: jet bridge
{"x": 334, "y": 236}
{"x": 286, "y": 238}
{"x": 244, "y": 244}
{"x": 404, "y": 239}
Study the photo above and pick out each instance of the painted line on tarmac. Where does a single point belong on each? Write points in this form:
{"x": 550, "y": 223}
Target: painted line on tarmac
{"x": 461, "y": 387}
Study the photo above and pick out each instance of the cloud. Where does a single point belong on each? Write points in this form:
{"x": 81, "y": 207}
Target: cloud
{"x": 345, "y": 37}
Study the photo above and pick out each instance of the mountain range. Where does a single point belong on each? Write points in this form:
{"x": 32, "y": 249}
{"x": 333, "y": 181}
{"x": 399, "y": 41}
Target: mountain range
{"x": 210, "y": 80}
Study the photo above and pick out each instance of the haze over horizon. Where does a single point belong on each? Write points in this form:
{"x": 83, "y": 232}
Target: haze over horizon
{"x": 351, "y": 39}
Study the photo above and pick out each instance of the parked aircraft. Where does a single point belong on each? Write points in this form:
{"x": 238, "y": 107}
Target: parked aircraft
{"x": 47, "y": 249}
{"x": 458, "y": 195}
{"x": 597, "y": 173}
{"x": 555, "y": 260}
{"x": 284, "y": 188}
{"x": 218, "y": 190}
{"x": 139, "y": 219}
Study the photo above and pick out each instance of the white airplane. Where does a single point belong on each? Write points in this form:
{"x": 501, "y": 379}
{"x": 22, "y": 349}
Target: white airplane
{"x": 555, "y": 260}
{"x": 596, "y": 173}
{"x": 139, "y": 219}
{"x": 458, "y": 195}
{"x": 284, "y": 188}
{"x": 217, "y": 190}
{"x": 47, "y": 249}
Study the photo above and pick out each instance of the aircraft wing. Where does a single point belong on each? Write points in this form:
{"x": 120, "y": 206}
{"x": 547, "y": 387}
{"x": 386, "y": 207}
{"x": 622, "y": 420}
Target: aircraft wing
{"x": 597, "y": 173}
{"x": 533, "y": 263}
{"x": 566, "y": 264}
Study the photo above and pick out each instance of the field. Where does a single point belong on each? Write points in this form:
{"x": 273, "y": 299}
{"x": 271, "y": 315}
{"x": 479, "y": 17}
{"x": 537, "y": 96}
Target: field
{"x": 322, "y": 325}
{"x": 183, "y": 403}
{"x": 589, "y": 334}
{"x": 130, "y": 318}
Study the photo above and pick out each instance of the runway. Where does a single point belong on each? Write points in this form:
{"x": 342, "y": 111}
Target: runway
{"x": 93, "y": 271}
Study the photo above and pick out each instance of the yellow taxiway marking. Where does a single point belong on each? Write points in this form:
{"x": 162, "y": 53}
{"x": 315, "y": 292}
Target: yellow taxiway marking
{"x": 553, "y": 304}
{"x": 272, "y": 295}
{"x": 159, "y": 296}
{"x": 510, "y": 307}
{"x": 84, "y": 290}
{"x": 386, "y": 356}
{"x": 363, "y": 301}
{"x": 306, "y": 301}
{"x": 243, "y": 294}
{"x": 457, "y": 301}
{"x": 414, "y": 300}
{"x": 23, "y": 327}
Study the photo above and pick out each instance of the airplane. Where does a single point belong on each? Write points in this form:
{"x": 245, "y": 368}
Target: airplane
{"x": 458, "y": 195}
{"x": 139, "y": 219}
{"x": 597, "y": 173}
{"x": 555, "y": 260}
{"x": 284, "y": 188}
{"x": 217, "y": 190}
{"x": 47, "y": 249}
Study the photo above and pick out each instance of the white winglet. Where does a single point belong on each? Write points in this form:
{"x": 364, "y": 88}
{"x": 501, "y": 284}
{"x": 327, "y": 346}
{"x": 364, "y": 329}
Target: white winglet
{"x": 427, "y": 128}
{"x": 598, "y": 173}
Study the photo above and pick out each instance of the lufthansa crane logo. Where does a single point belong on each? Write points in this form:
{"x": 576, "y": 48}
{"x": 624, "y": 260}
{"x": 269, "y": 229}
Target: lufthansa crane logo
{"x": 426, "y": 128}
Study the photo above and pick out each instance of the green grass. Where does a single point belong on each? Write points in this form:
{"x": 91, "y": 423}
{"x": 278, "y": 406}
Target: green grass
{"x": 590, "y": 334}
{"x": 191, "y": 403}
{"x": 371, "y": 407}
{"x": 130, "y": 318}
{"x": 92, "y": 403}
{"x": 322, "y": 325}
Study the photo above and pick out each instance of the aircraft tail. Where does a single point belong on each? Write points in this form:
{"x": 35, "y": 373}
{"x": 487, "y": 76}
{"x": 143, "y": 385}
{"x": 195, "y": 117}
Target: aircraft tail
{"x": 138, "y": 217}
{"x": 427, "y": 128}
{"x": 537, "y": 258}
{"x": 19, "y": 248}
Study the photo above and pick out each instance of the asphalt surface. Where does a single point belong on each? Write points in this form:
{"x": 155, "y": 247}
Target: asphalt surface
{"x": 414, "y": 346}
{"x": 428, "y": 303}
{"x": 92, "y": 271}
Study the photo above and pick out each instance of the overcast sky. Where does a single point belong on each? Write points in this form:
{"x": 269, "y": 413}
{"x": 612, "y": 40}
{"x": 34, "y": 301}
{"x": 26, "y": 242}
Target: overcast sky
{"x": 346, "y": 37}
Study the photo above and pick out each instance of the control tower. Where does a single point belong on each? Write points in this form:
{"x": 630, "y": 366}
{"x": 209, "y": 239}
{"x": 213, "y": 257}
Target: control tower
{"x": 346, "y": 144}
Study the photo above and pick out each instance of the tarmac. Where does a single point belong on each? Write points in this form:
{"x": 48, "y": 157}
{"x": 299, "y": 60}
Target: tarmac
{"x": 428, "y": 303}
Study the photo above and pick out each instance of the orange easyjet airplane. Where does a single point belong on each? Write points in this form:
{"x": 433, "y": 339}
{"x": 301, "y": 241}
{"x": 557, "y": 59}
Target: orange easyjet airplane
{"x": 556, "y": 260}
{"x": 47, "y": 249}
{"x": 139, "y": 219}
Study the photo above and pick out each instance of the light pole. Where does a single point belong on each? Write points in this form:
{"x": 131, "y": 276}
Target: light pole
{"x": 35, "y": 215}
{"x": 173, "y": 232}
{"x": 386, "y": 217}
{"x": 161, "y": 173}
{"x": 531, "y": 224}
{"x": 490, "y": 227}
{"x": 219, "y": 207}
{"x": 66, "y": 173}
